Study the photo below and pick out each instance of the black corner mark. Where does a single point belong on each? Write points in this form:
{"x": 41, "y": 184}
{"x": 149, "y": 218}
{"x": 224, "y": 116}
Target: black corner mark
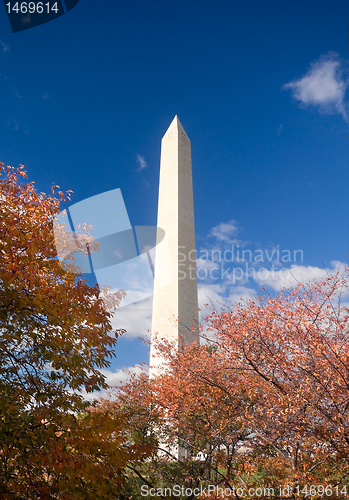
{"x": 24, "y": 15}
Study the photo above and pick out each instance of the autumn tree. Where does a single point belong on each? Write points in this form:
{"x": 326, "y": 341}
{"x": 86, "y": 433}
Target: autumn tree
{"x": 273, "y": 376}
{"x": 294, "y": 350}
{"x": 189, "y": 406}
{"x": 55, "y": 338}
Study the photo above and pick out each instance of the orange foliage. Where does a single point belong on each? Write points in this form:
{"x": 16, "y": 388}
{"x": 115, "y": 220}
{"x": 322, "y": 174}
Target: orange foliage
{"x": 273, "y": 377}
{"x": 55, "y": 337}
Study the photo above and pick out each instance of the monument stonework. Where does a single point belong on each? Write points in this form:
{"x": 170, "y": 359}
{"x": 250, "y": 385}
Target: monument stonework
{"x": 175, "y": 306}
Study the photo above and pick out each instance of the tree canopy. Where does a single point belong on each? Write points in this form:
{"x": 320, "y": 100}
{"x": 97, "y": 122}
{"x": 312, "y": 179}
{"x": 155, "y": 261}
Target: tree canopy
{"x": 264, "y": 399}
{"x": 55, "y": 338}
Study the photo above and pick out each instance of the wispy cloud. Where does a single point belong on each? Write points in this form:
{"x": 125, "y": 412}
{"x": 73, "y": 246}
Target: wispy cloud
{"x": 221, "y": 296}
{"x": 291, "y": 276}
{"x": 225, "y": 231}
{"x": 134, "y": 318}
{"x": 12, "y": 122}
{"x": 5, "y": 48}
{"x": 113, "y": 379}
{"x": 45, "y": 95}
{"x": 323, "y": 86}
{"x": 142, "y": 163}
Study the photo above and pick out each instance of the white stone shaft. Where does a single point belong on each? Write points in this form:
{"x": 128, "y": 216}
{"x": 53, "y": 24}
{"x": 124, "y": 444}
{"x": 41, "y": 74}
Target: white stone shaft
{"x": 175, "y": 306}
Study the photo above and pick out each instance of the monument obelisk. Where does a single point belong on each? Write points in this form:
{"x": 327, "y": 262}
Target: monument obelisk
{"x": 175, "y": 305}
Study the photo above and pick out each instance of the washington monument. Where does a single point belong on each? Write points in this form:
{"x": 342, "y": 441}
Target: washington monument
{"x": 175, "y": 305}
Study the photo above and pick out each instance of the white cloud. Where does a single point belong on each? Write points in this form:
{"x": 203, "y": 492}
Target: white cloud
{"x": 323, "y": 85}
{"x": 222, "y": 295}
{"x": 290, "y": 277}
{"x": 121, "y": 375}
{"x": 5, "y": 48}
{"x": 225, "y": 231}
{"x": 142, "y": 163}
{"x": 116, "y": 378}
{"x": 134, "y": 276}
{"x": 134, "y": 318}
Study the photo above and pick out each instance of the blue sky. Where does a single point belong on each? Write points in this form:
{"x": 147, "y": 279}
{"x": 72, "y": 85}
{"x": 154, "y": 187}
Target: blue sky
{"x": 260, "y": 88}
